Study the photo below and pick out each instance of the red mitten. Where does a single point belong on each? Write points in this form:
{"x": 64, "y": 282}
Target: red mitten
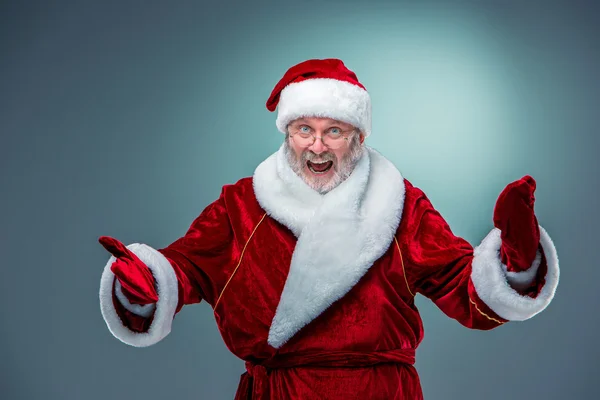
{"x": 137, "y": 282}
{"x": 514, "y": 216}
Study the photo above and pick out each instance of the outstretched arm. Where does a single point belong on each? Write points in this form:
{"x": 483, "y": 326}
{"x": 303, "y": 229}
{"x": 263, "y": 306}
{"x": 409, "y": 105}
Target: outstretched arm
{"x": 473, "y": 285}
{"x": 183, "y": 273}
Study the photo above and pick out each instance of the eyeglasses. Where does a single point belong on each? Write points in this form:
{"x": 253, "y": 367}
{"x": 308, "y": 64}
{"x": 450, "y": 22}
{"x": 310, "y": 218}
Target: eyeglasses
{"x": 334, "y": 138}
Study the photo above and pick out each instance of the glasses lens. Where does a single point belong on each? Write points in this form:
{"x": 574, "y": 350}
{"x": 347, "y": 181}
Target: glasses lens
{"x": 334, "y": 142}
{"x": 303, "y": 140}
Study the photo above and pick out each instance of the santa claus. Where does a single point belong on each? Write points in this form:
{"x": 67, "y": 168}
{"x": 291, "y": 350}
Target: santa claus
{"x": 312, "y": 264}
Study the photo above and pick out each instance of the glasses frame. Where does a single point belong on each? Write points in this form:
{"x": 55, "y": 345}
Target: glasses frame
{"x": 347, "y": 134}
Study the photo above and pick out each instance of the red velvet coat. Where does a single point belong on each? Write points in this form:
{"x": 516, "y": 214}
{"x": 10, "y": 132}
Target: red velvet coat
{"x": 316, "y": 293}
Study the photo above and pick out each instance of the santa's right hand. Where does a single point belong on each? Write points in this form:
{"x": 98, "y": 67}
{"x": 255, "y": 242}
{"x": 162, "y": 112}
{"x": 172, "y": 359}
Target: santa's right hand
{"x": 137, "y": 282}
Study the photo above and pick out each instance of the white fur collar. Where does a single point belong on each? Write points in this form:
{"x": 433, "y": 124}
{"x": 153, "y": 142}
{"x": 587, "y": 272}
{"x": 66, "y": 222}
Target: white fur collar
{"x": 340, "y": 234}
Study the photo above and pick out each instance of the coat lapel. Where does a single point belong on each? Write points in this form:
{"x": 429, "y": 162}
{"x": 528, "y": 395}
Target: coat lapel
{"x": 339, "y": 235}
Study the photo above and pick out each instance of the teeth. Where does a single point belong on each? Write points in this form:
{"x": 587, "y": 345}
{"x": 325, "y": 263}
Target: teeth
{"x": 320, "y": 164}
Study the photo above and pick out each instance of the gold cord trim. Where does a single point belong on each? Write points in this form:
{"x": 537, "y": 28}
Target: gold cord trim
{"x": 240, "y": 261}
{"x": 403, "y": 270}
{"x": 484, "y": 314}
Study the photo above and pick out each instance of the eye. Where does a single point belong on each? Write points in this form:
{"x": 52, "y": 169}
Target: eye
{"x": 335, "y": 131}
{"x": 304, "y": 129}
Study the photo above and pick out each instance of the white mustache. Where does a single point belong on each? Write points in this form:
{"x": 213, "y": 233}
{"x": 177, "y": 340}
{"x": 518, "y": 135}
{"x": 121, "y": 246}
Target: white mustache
{"x": 308, "y": 156}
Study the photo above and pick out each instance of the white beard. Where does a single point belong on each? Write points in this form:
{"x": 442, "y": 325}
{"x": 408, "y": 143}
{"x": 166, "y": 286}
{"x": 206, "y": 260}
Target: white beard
{"x": 341, "y": 169}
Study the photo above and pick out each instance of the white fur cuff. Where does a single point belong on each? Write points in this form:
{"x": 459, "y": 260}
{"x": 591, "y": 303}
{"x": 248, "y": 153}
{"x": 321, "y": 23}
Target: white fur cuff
{"x": 495, "y": 286}
{"x": 165, "y": 307}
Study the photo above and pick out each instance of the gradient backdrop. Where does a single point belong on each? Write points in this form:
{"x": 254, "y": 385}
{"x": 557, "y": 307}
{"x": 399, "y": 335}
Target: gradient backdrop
{"x": 125, "y": 118}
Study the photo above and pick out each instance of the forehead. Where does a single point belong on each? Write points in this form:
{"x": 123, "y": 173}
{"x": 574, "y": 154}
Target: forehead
{"x": 319, "y": 121}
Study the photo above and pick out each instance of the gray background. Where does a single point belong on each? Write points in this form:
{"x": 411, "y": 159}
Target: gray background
{"x": 126, "y": 118}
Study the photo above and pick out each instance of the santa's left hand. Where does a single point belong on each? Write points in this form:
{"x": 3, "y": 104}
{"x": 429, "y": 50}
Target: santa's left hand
{"x": 515, "y": 217}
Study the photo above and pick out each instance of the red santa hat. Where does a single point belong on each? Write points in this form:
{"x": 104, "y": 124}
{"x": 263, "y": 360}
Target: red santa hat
{"x": 321, "y": 88}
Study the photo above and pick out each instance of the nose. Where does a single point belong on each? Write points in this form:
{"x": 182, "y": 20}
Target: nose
{"x": 318, "y": 147}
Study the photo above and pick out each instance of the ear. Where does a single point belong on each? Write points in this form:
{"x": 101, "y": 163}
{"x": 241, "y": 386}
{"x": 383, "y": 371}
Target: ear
{"x": 362, "y": 138}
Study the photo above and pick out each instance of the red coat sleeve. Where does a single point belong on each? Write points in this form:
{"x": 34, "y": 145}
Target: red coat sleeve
{"x": 199, "y": 257}
{"x": 467, "y": 284}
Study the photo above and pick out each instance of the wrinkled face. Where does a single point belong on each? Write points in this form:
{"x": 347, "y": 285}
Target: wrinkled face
{"x": 323, "y": 168}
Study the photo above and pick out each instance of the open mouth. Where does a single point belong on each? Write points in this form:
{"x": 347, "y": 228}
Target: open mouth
{"x": 319, "y": 168}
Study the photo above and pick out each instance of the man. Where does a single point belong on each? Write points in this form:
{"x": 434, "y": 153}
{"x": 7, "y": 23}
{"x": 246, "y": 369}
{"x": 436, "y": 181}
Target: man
{"x": 312, "y": 264}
